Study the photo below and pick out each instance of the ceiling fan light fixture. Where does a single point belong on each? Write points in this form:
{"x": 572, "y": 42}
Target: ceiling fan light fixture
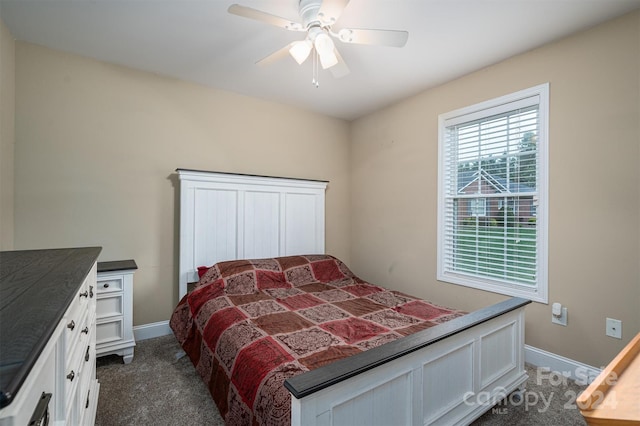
{"x": 300, "y": 50}
{"x": 328, "y": 60}
{"x": 325, "y": 48}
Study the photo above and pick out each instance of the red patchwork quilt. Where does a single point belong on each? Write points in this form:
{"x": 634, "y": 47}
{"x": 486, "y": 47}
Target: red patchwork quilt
{"x": 251, "y": 324}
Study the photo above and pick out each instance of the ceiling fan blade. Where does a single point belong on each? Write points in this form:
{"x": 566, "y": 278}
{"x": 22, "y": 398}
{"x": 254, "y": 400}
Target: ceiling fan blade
{"x": 391, "y": 38}
{"x": 330, "y": 10}
{"x": 340, "y": 69}
{"x": 275, "y": 56}
{"x": 251, "y": 13}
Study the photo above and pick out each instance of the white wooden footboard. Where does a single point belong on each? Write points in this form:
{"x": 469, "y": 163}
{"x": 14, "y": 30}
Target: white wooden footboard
{"x": 449, "y": 374}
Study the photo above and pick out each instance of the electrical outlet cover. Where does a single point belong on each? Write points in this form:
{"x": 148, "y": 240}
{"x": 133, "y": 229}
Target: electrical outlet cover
{"x": 562, "y": 319}
{"x": 614, "y": 328}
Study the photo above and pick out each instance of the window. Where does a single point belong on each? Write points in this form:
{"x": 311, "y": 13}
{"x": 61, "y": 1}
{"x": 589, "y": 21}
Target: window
{"x": 492, "y": 195}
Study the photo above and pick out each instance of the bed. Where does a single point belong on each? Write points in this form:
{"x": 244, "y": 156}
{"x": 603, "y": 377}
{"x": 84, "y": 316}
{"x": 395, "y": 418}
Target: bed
{"x": 342, "y": 351}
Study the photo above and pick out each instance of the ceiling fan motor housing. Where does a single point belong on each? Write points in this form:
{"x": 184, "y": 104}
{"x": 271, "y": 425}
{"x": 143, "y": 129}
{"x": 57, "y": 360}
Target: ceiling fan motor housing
{"x": 308, "y": 10}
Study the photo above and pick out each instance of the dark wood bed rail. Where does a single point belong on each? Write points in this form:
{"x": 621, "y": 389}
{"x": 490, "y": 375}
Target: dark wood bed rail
{"x": 315, "y": 380}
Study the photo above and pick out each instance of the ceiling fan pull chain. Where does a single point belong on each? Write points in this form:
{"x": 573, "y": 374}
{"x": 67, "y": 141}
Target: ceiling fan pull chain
{"x": 315, "y": 80}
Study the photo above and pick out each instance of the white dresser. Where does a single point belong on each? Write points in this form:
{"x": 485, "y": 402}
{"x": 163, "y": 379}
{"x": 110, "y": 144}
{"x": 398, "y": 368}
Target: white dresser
{"x": 114, "y": 327}
{"x": 47, "y": 333}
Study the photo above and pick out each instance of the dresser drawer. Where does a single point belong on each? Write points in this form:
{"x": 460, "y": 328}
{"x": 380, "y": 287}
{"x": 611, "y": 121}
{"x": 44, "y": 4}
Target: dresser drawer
{"x": 109, "y": 331}
{"x": 81, "y": 303}
{"x": 109, "y": 284}
{"x": 109, "y": 306}
{"x": 79, "y": 382}
{"x": 73, "y": 377}
{"x": 77, "y": 334}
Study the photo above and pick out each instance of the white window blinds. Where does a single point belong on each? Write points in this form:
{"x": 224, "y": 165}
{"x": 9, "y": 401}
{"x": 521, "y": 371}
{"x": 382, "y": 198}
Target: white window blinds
{"x": 492, "y": 175}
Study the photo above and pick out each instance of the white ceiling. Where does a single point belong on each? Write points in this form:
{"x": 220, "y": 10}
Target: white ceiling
{"x": 197, "y": 40}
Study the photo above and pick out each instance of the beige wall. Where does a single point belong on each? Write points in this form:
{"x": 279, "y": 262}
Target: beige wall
{"x": 97, "y": 146}
{"x": 594, "y": 208}
{"x": 7, "y": 135}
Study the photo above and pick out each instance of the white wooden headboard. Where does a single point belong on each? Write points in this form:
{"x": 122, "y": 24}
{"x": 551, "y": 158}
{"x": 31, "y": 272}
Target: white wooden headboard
{"x": 226, "y": 216}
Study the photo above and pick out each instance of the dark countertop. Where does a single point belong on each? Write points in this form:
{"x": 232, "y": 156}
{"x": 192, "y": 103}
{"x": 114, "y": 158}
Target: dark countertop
{"x": 36, "y": 288}
{"x": 117, "y": 265}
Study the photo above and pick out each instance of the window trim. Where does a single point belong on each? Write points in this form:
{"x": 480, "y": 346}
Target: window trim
{"x": 506, "y": 103}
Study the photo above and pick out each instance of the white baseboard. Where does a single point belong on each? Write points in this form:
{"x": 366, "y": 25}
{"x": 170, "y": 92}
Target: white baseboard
{"x": 581, "y": 373}
{"x": 149, "y": 331}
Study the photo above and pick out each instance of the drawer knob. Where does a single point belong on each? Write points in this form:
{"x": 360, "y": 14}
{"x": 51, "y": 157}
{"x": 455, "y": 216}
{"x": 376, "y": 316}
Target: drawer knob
{"x": 85, "y": 330}
{"x": 71, "y": 375}
{"x": 85, "y": 294}
{"x": 91, "y": 291}
{"x": 71, "y": 325}
{"x": 106, "y": 285}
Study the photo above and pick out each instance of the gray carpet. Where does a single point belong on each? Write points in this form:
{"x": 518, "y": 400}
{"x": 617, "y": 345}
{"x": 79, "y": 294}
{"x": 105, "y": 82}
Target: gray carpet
{"x": 158, "y": 389}
{"x": 154, "y": 389}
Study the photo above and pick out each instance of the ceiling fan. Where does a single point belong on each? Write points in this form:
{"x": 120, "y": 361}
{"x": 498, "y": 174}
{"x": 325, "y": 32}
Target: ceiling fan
{"x": 318, "y": 18}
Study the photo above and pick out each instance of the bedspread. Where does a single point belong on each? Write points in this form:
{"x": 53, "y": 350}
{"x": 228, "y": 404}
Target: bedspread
{"x": 251, "y": 324}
